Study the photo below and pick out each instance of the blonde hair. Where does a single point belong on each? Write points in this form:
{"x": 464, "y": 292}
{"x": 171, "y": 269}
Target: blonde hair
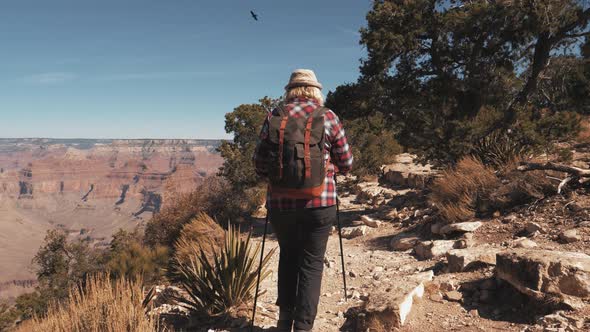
{"x": 310, "y": 92}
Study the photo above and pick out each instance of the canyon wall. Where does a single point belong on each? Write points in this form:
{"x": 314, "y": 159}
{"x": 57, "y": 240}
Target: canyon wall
{"x": 90, "y": 188}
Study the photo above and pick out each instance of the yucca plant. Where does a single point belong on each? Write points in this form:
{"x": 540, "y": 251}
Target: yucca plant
{"x": 220, "y": 286}
{"x": 499, "y": 149}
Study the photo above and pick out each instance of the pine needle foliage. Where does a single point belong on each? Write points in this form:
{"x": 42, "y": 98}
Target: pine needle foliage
{"x": 220, "y": 286}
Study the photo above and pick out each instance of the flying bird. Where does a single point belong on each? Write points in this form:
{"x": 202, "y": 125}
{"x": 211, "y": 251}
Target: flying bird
{"x": 254, "y": 16}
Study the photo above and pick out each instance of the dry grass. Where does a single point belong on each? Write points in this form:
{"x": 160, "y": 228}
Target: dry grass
{"x": 102, "y": 306}
{"x": 461, "y": 190}
{"x": 584, "y": 134}
{"x": 203, "y": 232}
{"x": 375, "y": 325}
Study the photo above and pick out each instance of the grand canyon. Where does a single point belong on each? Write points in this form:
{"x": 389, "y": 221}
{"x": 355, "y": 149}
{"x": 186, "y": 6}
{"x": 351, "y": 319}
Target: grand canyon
{"x": 89, "y": 188}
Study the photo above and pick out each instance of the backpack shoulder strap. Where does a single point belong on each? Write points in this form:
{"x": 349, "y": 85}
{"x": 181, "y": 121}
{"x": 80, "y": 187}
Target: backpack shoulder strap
{"x": 319, "y": 112}
{"x": 281, "y": 110}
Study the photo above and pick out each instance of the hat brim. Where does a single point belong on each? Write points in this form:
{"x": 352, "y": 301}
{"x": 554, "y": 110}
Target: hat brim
{"x": 300, "y": 84}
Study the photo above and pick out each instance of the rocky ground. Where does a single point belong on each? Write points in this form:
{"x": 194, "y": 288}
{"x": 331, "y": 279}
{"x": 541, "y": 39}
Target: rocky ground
{"x": 525, "y": 270}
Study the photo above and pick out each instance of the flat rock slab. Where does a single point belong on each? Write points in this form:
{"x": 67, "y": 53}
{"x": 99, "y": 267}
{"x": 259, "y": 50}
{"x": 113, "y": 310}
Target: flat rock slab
{"x": 405, "y": 172}
{"x": 462, "y": 259}
{"x": 462, "y": 227}
{"x": 371, "y": 222}
{"x": 523, "y": 242}
{"x": 392, "y": 304}
{"x": 432, "y": 249}
{"x": 352, "y": 232}
{"x": 403, "y": 242}
{"x": 570, "y": 236}
{"x": 547, "y": 275}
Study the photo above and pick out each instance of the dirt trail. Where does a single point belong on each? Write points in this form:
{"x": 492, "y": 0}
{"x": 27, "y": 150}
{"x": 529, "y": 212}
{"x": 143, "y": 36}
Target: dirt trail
{"x": 372, "y": 266}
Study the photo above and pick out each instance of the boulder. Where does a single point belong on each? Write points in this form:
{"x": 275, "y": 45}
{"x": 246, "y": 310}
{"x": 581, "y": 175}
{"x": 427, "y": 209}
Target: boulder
{"x": 436, "y": 227}
{"x": 570, "y": 236}
{"x": 393, "y": 214}
{"x": 371, "y": 192}
{"x": 532, "y": 227}
{"x": 370, "y": 222}
{"x": 431, "y": 249}
{"x": 367, "y": 195}
{"x": 561, "y": 321}
{"x": 392, "y": 304}
{"x": 405, "y": 172}
{"x": 462, "y": 227}
{"x": 352, "y": 232}
{"x": 465, "y": 241}
{"x": 509, "y": 219}
{"x": 523, "y": 242}
{"x": 453, "y": 296}
{"x": 462, "y": 259}
{"x": 260, "y": 212}
{"x": 555, "y": 276}
{"x": 403, "y": 243}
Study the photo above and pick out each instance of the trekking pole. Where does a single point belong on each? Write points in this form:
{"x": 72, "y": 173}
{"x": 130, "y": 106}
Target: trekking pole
{"x": 340, "y": 238}
{"x": 259, "y": 272}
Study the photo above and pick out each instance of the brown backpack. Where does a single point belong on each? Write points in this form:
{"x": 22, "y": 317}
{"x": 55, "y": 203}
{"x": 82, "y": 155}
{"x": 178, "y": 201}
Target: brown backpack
{"x": 297, "y": 168}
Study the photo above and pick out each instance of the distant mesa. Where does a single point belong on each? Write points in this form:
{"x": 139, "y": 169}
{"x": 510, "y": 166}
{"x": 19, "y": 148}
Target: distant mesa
{"x": 89, "y": 188}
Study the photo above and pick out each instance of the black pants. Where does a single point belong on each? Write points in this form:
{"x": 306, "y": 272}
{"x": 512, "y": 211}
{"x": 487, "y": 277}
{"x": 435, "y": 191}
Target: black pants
{"x": 303, "y": 235}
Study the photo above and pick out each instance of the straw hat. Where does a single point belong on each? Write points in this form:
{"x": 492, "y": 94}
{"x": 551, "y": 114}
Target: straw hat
{"x": 303, "y": 77}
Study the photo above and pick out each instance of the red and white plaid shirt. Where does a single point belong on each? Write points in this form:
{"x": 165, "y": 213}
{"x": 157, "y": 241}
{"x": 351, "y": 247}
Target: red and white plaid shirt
{"x": 337, "y": 152}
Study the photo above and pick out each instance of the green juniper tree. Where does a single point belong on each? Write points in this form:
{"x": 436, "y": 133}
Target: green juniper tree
{"x": 433, "y": 67}
{"x": 245, "y": 123}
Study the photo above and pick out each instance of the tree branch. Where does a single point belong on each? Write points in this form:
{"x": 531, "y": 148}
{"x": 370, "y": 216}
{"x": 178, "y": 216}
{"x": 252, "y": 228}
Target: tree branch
{"x": 551, "y": 166}
{"x": 578, "y": 35}
{"x": 564, "y": 182}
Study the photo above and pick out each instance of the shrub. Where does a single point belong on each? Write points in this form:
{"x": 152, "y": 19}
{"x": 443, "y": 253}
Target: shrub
{"x": 244, "y": 124}
{"x": 129, "y": 258}
{"x": 584, "y": 133}
{"x": 60, "y": 265}
{"x": 472, "y": 189}
{"x": 201, "y": 232}
{"x": 461, "y": 191}
{"x": 101, "y": 306}
{"x": 164, "y": 228}
{"x": 223, "y": 202}
{"x": 8, "y": 316}
{"x": 520, "y": 187}
{"x": 373, "y": 144}
{"x": 224, "y": 285}
{"x": 35, "y": 303}
{"x": 215, "y": 197}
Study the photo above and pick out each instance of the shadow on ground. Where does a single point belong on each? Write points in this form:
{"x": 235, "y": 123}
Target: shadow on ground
{"x": 505, "y": 303}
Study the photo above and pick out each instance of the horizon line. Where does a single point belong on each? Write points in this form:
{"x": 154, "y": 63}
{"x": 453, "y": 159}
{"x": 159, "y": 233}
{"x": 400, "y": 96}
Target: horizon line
{"x": 119, "y": 138}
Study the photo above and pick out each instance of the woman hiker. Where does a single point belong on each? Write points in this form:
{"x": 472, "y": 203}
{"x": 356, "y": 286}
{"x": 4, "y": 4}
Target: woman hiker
{"x": 302, "y": 145}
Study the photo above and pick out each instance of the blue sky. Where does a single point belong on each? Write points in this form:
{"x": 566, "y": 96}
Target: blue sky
{"x": 161, "y": 68}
